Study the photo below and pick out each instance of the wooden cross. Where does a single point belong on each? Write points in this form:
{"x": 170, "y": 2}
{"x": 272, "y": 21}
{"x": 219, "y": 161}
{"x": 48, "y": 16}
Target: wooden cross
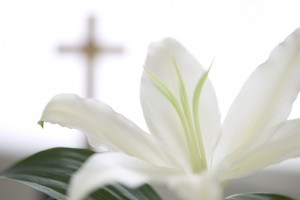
{"x": 90, "y": 50}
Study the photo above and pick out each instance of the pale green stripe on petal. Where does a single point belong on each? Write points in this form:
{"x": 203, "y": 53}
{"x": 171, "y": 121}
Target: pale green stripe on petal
{"x": 266, "y": 98}
{"x": 284, "y": 145}
{"x": 194, "y": 133}
{"x": 190, "y": 132}
{"x": 102, "y": 126}
{"x": 188, "y": 118}
{"x": 171, "y": 69}
{"x": 198, "y": 136}
{"x": 166, "y": 92}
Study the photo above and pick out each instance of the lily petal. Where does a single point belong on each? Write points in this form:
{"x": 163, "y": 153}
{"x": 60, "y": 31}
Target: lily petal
{"x": 112, "y": 167}
{"x": 266, "y": 98}
{"x": 168, "y": 85}
{"x": 283, "y": 145}
{"x": 102, "y": 125}
{"x": 195, "y": 187}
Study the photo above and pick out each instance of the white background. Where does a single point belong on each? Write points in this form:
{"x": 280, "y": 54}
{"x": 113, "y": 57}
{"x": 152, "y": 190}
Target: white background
{"x": 239, "y": 35}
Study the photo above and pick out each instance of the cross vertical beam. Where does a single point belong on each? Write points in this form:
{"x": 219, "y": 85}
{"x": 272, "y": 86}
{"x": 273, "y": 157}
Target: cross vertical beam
{"x": 90, "y": 49}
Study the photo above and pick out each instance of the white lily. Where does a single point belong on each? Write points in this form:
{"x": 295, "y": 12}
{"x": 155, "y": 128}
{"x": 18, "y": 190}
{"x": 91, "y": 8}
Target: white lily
{"x": 187, "y": 149}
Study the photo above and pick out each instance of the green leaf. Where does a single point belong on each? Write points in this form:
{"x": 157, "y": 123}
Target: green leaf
{"x": 50, "y": 171}
{"x": 120, "y": 192}
{"x": 258, "y": 196}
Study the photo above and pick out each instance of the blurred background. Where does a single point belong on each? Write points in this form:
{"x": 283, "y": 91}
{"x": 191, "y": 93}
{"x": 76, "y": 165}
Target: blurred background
{"x": 34, "y": 64}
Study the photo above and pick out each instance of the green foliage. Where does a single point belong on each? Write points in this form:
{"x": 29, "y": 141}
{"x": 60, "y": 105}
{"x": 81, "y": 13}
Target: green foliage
{"x": 50, "y": 171}
{"x": 258, "y": 196}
